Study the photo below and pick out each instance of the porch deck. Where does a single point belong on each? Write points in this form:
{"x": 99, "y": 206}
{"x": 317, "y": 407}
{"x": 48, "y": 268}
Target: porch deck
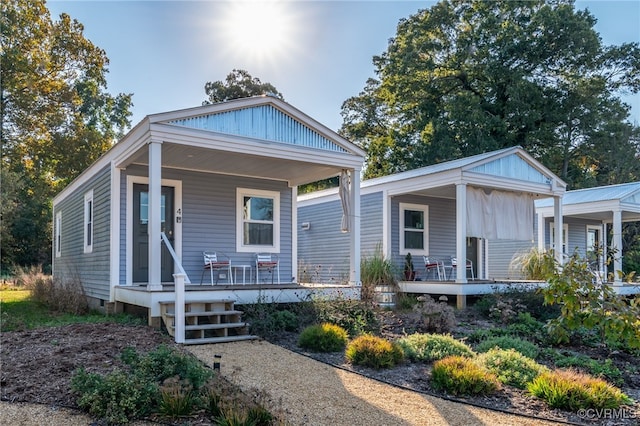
{"x": 138, "y": 295}
{"x": 480, "y": 287}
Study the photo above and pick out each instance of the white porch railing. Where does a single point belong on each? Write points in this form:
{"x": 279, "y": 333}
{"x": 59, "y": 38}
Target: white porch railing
{"x": 175, "y": 258}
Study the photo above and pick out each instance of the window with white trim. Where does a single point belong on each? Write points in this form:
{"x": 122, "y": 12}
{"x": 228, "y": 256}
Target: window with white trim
{"x": 414, "y": 235}
{"x": 58, "y": 234}
{"x": 258, "y": 220}
{"x": 565, "y": 235}
{"x": 88, "y": 222}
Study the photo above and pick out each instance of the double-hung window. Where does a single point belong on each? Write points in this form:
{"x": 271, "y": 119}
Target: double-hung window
{"x": 414, "y": 236}
{"x": 88, "y": 222}
{"x": 565, "y": 235}
{"x": 258, "y": 221}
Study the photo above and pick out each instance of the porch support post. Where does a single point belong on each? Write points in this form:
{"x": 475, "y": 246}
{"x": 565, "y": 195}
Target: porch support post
{"x": 178, "y": 309}
{"x": 605, "y": 250}
{"x": 154, "y": 226}
{"x": 294, "y": 234}
{"x": 461, "y": 232}
{"x": 541, "y": 240}
{"x": 354, "y": 276}
{"x": 557, "y": 229}
{"x": 617, "y": 247}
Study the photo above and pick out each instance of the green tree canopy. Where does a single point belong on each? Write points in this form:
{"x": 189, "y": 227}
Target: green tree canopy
{"x": 470, "y": 76}
{"x": 56, "y": 119}
{"x": 238, "y": 84}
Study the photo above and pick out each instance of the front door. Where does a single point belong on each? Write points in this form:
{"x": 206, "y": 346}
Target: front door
{"x": 140, "y": 232}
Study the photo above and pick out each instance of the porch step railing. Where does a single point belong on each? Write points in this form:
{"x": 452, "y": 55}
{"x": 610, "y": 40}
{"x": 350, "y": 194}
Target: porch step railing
{"x": 209, "y": 321}
{"x": 176, "y": 260}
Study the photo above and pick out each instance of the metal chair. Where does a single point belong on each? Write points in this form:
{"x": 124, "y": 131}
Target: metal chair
{"x": 267, "y": 262}
{"x": 431, "y": 263}
{"x": 214, "y": 261}
{"x": 454, "y": 266}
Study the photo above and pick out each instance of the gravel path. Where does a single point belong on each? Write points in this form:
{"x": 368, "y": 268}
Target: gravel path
{"x": 308, "y": 392}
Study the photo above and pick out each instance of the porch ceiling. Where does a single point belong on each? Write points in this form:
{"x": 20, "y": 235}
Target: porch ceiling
{"x": 208, "y": 160}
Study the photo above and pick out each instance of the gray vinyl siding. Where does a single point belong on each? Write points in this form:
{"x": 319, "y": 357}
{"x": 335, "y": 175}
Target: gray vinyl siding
{"x": 209, "y": 219}
{"x": 500, "y": 257}
{"x": 577, "y": 240}
{"x": 92, "y": 269}
{"x": 441, "y": 229}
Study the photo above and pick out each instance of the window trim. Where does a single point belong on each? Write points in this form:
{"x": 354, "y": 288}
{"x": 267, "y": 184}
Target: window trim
{"x": 402, "y": 207}
{"x": 58, "y": 234}
{"x": 565, "y": 236}
{"x": 88, "y": 222}
{"x": 247, "y": 248}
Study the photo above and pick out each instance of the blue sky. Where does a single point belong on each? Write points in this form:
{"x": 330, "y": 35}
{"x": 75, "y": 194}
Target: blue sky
{"x": 165, "y": 51}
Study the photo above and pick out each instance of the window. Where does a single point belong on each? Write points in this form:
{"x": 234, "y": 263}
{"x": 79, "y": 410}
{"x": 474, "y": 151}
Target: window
{"x": 413, "y": 229}
{"x": 58, "y": 234}
{"x": 565, "y": 235}
{"x": 258, "y": 221}
{"x": 88, "y": 222}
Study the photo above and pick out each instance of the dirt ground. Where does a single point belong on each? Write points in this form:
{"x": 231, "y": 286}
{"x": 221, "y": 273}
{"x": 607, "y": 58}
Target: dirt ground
{"x": 37, "y": 365}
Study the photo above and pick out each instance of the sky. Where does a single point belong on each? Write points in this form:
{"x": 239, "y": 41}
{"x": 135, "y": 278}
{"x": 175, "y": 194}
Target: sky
{"x": 316, "y": 53}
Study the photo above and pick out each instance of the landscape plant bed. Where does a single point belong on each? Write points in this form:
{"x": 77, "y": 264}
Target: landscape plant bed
{"x": 416, "y": 375}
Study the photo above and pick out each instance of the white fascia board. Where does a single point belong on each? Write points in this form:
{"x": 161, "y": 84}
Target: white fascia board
{"x": 582, "y": 208}
{"x": 421, "y": 183}
{"x": 211, "y": 140}
{"x": 507, "y": 184}
{"x": 106, "y": 159}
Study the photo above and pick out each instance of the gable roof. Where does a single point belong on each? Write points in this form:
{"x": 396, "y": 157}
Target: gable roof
{"x": 598, "y": 203}
{"x": 261, "y": 136}
{"x": 511, "y": 169}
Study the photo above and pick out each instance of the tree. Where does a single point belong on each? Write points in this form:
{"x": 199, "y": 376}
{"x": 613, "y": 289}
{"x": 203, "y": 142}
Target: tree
{"x": 470, "y": 76}
{"x": 238, "y": 84}
{"x": 56, "y": 119}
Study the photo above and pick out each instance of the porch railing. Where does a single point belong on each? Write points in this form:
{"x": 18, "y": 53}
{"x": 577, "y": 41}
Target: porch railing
{"x": 175, "y": 258}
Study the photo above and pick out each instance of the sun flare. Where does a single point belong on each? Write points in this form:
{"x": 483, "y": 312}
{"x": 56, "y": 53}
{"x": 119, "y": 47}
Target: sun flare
{"x": 259, "y": 30}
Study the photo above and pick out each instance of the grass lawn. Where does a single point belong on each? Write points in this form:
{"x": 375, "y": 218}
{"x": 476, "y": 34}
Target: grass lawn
{"x": 19, "y": 312}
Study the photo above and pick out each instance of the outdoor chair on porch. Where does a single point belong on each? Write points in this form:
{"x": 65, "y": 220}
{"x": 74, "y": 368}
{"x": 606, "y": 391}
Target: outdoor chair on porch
{"x": 267, "y": 262}
{"x": 216, "y": 262}
{"x": 454, "y": 266}
{"x": 434, "y": 265}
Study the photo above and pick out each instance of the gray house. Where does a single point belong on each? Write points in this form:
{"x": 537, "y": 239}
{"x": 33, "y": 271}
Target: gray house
{"x": 589, "y": 215}
{"x": 478, "y": 208}
{"x": 221, "y": 178}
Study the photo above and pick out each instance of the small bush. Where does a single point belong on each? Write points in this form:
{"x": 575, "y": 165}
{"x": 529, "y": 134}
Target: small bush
{"x": 437, "y": 317}
{"x": 524, "y": 347}
{"x": 355, "y": 316}
{"x": 176, "y": 398}
{"x": 57, "y": 295}
{"x": 431, "y": 347}
{"x": 605, "y": 369}
{"x": 511, "y": 367}
{"x": 462, "y": 376}
{"x": 323, "y": 338}
{"x": 572, "y": 390}
{"x": 375, "y": 352}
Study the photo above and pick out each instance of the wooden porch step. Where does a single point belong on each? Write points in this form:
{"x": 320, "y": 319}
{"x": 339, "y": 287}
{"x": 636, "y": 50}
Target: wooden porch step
{"x": 224, "y": 339}
{"x": 203, "y": 313}
{"x": 213, "y": 326}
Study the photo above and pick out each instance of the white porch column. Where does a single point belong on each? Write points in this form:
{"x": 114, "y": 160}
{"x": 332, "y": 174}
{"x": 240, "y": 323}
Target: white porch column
{"x": 557, "y": 228}
{"x": 617, "y": 247}
{"x": 294, "y": 234}
{"x": 354, "y": 276}
{"x": 178, "y": 308}
{"x": 541, "y": 241}
{"x": 461, "y": 232}
{"x": 154, "y": 225}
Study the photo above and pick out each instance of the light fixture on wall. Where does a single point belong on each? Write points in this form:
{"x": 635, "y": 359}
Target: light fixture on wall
{"x": 305, "y": 226}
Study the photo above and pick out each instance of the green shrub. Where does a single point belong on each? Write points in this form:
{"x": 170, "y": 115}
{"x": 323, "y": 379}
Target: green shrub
{"x": 268, "y": 319}
{"x": 176, "y": 398}
{"x": 459, "y": 375}
{"x": 323, "y": 338}
{"x": 431, "y": 347}
{"x": 376, "y": 270}
{"x": 572, "y": 390}
{"x": 605, "y": 369}
{"x": 526, "y": 348}
{"x": 118, "y": 397}
{"x": 533, "y": 264}
{"x": 511, "y": 367}
{"x": 375, "y": 352}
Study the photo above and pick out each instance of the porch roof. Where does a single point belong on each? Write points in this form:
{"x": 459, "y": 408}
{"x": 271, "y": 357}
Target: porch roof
{"x": 262, "y": 137}
{"x": 509, "y": 169}
{"x": 598, "y": 203}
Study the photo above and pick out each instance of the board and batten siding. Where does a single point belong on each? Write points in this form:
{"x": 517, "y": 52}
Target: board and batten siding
{"x": 91, "y": 269}
{"x": 209, "y": 219}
